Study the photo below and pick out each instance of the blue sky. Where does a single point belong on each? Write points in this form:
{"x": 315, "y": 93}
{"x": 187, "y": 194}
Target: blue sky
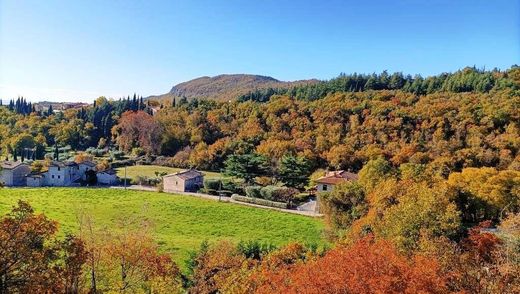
{"x": 79, "y": 50}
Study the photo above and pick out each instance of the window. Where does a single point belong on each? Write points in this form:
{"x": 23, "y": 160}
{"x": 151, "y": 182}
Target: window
{"x": 53, "y": 176}
{"x": 324, "y": 188}
{"x": 58, "y": 177}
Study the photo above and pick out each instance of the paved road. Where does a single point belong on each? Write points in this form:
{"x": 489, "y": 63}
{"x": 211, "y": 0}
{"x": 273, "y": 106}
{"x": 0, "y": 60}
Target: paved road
{"x": 223, "y": 199}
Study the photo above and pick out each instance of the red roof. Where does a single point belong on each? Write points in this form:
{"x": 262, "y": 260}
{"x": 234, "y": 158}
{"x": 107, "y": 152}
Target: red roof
{"x": 336, "y": 177}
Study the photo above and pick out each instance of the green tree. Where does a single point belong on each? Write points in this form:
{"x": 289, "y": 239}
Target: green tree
{"x": 246, "y": 166}
{"x": 294, "y": 171}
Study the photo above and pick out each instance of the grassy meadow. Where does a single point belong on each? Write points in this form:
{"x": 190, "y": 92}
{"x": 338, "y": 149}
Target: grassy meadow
{"x": 132, "y": 172}
{"x": 181, "y": 223}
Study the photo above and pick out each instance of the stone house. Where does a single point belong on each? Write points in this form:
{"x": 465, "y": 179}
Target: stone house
{"x": 62, "y": 173}
{"x": 13, "y": 173}
{"x": 185, "y": 181}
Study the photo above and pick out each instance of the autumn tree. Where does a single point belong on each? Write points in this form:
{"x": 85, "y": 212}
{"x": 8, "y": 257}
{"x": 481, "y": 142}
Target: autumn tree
{"x": 367, "y": 266}
{"x": 345, "y": 204}
{"x": 32, "y": 260}
{"x": 138, "y": 129}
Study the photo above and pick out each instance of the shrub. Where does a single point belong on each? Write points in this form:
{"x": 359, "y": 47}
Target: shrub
{"x": 95, "y": 152}
{"x": 213, "y": 184}
{"x": 117, "y": 155}
{"x": 285, "y": 194}
{"x": 253, "y": 191}
{"x": 276, "y": 193}
{"x": 268, "y": 192}
{"x": 210, "y": 191}
{"x": 259, "y": 201}
{"x": 137, "y": 151}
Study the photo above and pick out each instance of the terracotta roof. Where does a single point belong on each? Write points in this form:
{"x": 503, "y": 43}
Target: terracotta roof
{"x": 186, "y": 174}
{"x": 336, "y": 177}
{"x": 10, "y": 164}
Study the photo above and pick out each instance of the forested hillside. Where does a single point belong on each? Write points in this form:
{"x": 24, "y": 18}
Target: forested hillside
{"x": 469, "y": 119}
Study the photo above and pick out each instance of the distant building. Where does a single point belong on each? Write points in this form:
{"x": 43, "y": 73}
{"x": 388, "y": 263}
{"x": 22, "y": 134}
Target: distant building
{"x": 185, "y": 181}
{"x": 332, "y": 178}
{"x": 13, "y": 173}
{"x": 107, "y": 177}
{"x": 62, "y": 173}
{"x": 35, "y": 179}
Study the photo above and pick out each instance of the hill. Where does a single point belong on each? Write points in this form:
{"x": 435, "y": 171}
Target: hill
{"x": 226, "y": 87}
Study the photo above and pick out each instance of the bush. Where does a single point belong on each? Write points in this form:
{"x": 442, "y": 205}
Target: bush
{"x": 268, "y": 192}
{"x": 210, "y": 191}
{"x": 117, "y": 155}
{"x": 259, "y": 201}
{"x": 231, "y": 185}
{"x": 95, "y": 152}
{"x": 253, "y": 191}
{"x": 137, "y": 151}
{"x": 213, "y": 184}
{"x": 276, "y": 193}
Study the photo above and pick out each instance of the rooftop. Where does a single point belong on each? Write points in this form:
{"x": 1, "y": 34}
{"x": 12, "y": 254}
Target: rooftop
{"x": 10, "y": 164}
{"x": 336, "y": 177}
{"x": 186, "y": 174}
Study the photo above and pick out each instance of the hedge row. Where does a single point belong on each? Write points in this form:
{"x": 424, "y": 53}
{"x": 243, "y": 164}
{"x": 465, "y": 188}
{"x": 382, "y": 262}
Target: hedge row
{"x": 258, "y": 201}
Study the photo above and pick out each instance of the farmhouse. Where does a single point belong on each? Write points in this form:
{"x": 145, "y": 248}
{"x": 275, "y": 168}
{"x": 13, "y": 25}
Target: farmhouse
{"x": 185, "y": 181}
{"x": 62, "y": 173}
{"x": 59, "y": 174}
{"x": 13, "y": 173}
{"x": 107, "y": 177}
{"x": 332, "y": 178}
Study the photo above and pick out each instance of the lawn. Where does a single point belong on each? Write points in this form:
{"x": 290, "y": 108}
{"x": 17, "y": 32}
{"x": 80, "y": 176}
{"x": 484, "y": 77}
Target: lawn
{"x": 181, "y": 223}
{"x": 132, "y": 172}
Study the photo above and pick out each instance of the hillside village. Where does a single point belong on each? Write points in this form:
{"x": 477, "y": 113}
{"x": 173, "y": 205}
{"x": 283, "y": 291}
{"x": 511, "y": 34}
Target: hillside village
{"x": 59, "y": 174}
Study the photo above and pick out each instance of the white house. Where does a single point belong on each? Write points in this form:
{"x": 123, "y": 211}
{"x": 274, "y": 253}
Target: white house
{"x": 62, "y": 173}
{"x": 107, "y": 177}
{"x": 13, "y": 173}
{"x": 184, "y": 181}
{"x": 332, "y": 178}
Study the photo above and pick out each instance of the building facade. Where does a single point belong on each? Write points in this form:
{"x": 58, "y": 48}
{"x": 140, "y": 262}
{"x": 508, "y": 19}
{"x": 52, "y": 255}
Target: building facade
{"x": 14, "y": 173}
{"x": 184, "y": 181}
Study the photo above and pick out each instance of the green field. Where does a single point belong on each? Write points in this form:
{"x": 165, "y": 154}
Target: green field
{"x": 132, "y": 172}
{"x": 181, "y": 223}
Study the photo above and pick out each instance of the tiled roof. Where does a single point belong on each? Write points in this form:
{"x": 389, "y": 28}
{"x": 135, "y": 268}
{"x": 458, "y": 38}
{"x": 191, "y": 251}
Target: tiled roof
{"x": 10, "y": 164}
{"x": 187, "y": 174}
{"x": 336, "y": 177}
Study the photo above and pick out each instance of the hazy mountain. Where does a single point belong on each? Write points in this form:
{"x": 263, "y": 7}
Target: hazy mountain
{"x": 225, "y": 87}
